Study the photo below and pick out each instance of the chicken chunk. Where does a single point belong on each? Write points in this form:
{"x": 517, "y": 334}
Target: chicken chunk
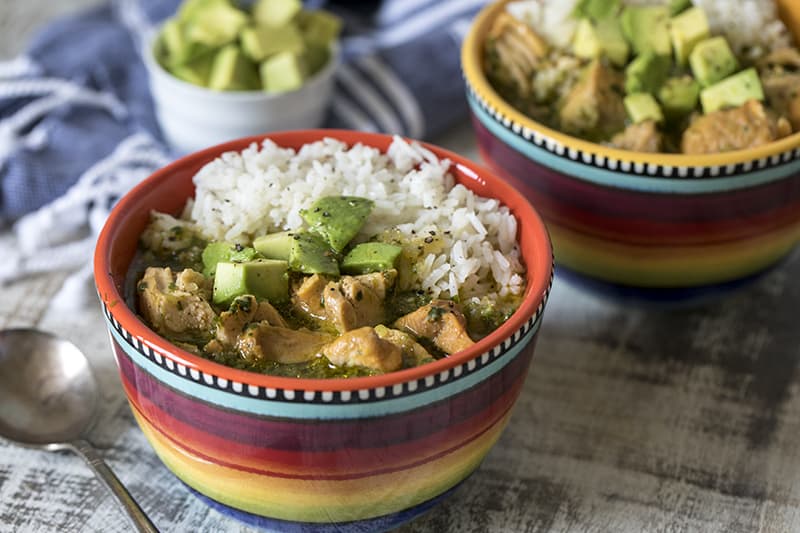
{"x": 414, "y": 354}
{"x": 244, "y": 310}
{"x": 782, "y": 59}
{"x": 364, "y": 347}
{"x": 783, "y": 94}
{"x": 518, "y": 48}
{"x": 641, "y": 137}
{"x": 441, "y": 322}
{"x": 260, "y": 341}
{"x": 594, "y": 107}
{"x": 346, "y": 304}
{"x": 746, "y": 126}
{"x": 177, "y": 306}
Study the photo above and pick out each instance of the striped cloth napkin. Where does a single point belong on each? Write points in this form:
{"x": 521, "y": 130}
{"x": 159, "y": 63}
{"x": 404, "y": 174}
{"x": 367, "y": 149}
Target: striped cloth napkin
{"x": 77, "y": 128}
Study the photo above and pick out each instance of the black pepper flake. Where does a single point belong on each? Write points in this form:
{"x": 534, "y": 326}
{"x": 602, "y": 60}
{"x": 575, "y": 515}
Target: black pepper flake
{"x": 326, "y": 214}
{"x": 359, "y": 296}
{"x": 428, "y": 240}
{"x": 238, "y": 247}
{"x": 432, "y": 233}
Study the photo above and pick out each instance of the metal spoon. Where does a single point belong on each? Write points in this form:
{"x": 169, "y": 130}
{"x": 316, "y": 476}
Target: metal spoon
{"x": 48, "y": 399}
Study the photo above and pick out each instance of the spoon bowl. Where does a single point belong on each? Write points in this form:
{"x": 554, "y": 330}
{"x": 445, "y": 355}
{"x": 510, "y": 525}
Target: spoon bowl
{"x": 48, "y": 395}
{"x": 48, "y": 400}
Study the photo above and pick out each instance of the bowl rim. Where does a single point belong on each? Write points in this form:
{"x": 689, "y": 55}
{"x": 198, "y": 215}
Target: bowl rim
{"x": 472, "y": 67}
{"x": 539, "y": 268}
{"x": 154, "y": 68}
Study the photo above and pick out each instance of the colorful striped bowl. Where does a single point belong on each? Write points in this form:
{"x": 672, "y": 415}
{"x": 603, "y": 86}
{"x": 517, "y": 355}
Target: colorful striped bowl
{"x": 651, "y": 226}
{"x": 295, "y": 454}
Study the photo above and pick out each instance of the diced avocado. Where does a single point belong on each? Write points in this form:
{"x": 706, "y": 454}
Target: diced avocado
{"x": 232, "y": 71}
{"x": 586, "y": 43}
{"x": 263, "y": 278}
{"x": 274, "y": 245}
{"x": 319, "y": 26}
{"x": 189, "y": 8}
{"x": 612, "y": 42}
{"x": 338, "y": 218}
{"x": 310, "y": 254}
{"x": 686, "y": 30}
{"x": 646, "y": 73}
{"x": 216, "y": 24}
{"x": 371, "y": 257}
{"x": 712, "y": 60}
{"x": 678, "y": 6}
{"x": 177, "y": 47}
{"x": 262, "y": 42}
{"x": 732, "y": 91}
{"x": 596, "y": 9}
{"x": 196, "y": 71}
{"x": 641, "y": 107}
{"x": 678, "y": 96}
{"x": 647, "y": 29}
{"x": 602, "y": 38}
{"x": 276, "y": 12}
{"x": 225, "y": 252}
{"x": 284, "y": 71}
{"x": 317, "y": 56}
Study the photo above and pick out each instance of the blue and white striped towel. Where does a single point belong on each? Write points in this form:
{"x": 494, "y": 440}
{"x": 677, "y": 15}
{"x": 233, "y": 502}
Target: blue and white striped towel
{"x": 77, "y": 128}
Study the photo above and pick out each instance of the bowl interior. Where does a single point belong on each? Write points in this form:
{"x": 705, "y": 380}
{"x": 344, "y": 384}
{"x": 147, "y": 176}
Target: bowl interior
{"x": 168, "y": 189}
{"x": 472, "y": 64}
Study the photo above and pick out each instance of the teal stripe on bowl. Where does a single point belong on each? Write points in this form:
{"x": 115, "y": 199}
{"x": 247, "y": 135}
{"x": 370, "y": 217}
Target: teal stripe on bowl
{"x": 609, "y": 178}
{"x": 354, "y": 410}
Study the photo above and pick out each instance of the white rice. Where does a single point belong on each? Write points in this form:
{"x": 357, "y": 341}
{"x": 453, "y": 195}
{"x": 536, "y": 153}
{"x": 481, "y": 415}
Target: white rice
{"x": 262, "y": 190}
{"x": 752, "y": 27}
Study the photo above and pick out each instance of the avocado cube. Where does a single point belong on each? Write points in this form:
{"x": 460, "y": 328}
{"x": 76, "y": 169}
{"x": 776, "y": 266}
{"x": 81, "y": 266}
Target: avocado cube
{"x": 261, "y": 42}
{"x": 678, "y": 6}
{"x": 189, "y": 8}
{"x": 679, "y": 96}
{"x": 276, "y": 12}
{"x": 284, "y": 71}
{"x": 371, "y": 257}
{"x": 686, "y": 30}
{"x": 215, "y": 25}
{"x": 274, "y": 245}
{"x": 732, "y": 91}
{"x": 176, "y": 47}
{"x": 225, "y": 252}
{"x": 646, "y": 73}
{"x": 712, "y": 60}
{"x": 232, "y": 71}
{"x": 195, "y": 71}
{"x": 647, "y": 29}
{"x": 310, "y": 254}
{"x": 316, "y": 57}
{"x": 596, "y": 9}
{"x": 263, "y": 278}
{"x": 641, "y": 107}
{"x": 338, "y": 218}
{"x": 613, "y": 43}
{"x": 586, "y": 44}
{"x": 319, "y": 26}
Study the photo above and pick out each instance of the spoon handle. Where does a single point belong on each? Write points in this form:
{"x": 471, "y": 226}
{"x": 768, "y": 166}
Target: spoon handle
{"x": 112, "y": 482}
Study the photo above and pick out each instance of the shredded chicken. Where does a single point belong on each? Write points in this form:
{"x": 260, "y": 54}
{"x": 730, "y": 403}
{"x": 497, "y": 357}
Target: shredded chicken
{"x": 176, "y": 306}
{"x": 641, "y": 137}
{"x": 746, "y": 126}
{"x": 363, "y": 347}
{"x": 440, "y": 322}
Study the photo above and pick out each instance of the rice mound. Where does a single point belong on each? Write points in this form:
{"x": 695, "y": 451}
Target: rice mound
{"x": 240, "y": 196}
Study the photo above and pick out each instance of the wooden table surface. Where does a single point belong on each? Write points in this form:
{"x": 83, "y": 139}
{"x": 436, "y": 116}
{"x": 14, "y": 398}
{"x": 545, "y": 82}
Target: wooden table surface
{"x": 630, "y": 420}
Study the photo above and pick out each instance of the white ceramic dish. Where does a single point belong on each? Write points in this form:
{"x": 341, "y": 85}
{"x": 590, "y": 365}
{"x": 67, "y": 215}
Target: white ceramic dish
{"x": 193, "y": 117}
